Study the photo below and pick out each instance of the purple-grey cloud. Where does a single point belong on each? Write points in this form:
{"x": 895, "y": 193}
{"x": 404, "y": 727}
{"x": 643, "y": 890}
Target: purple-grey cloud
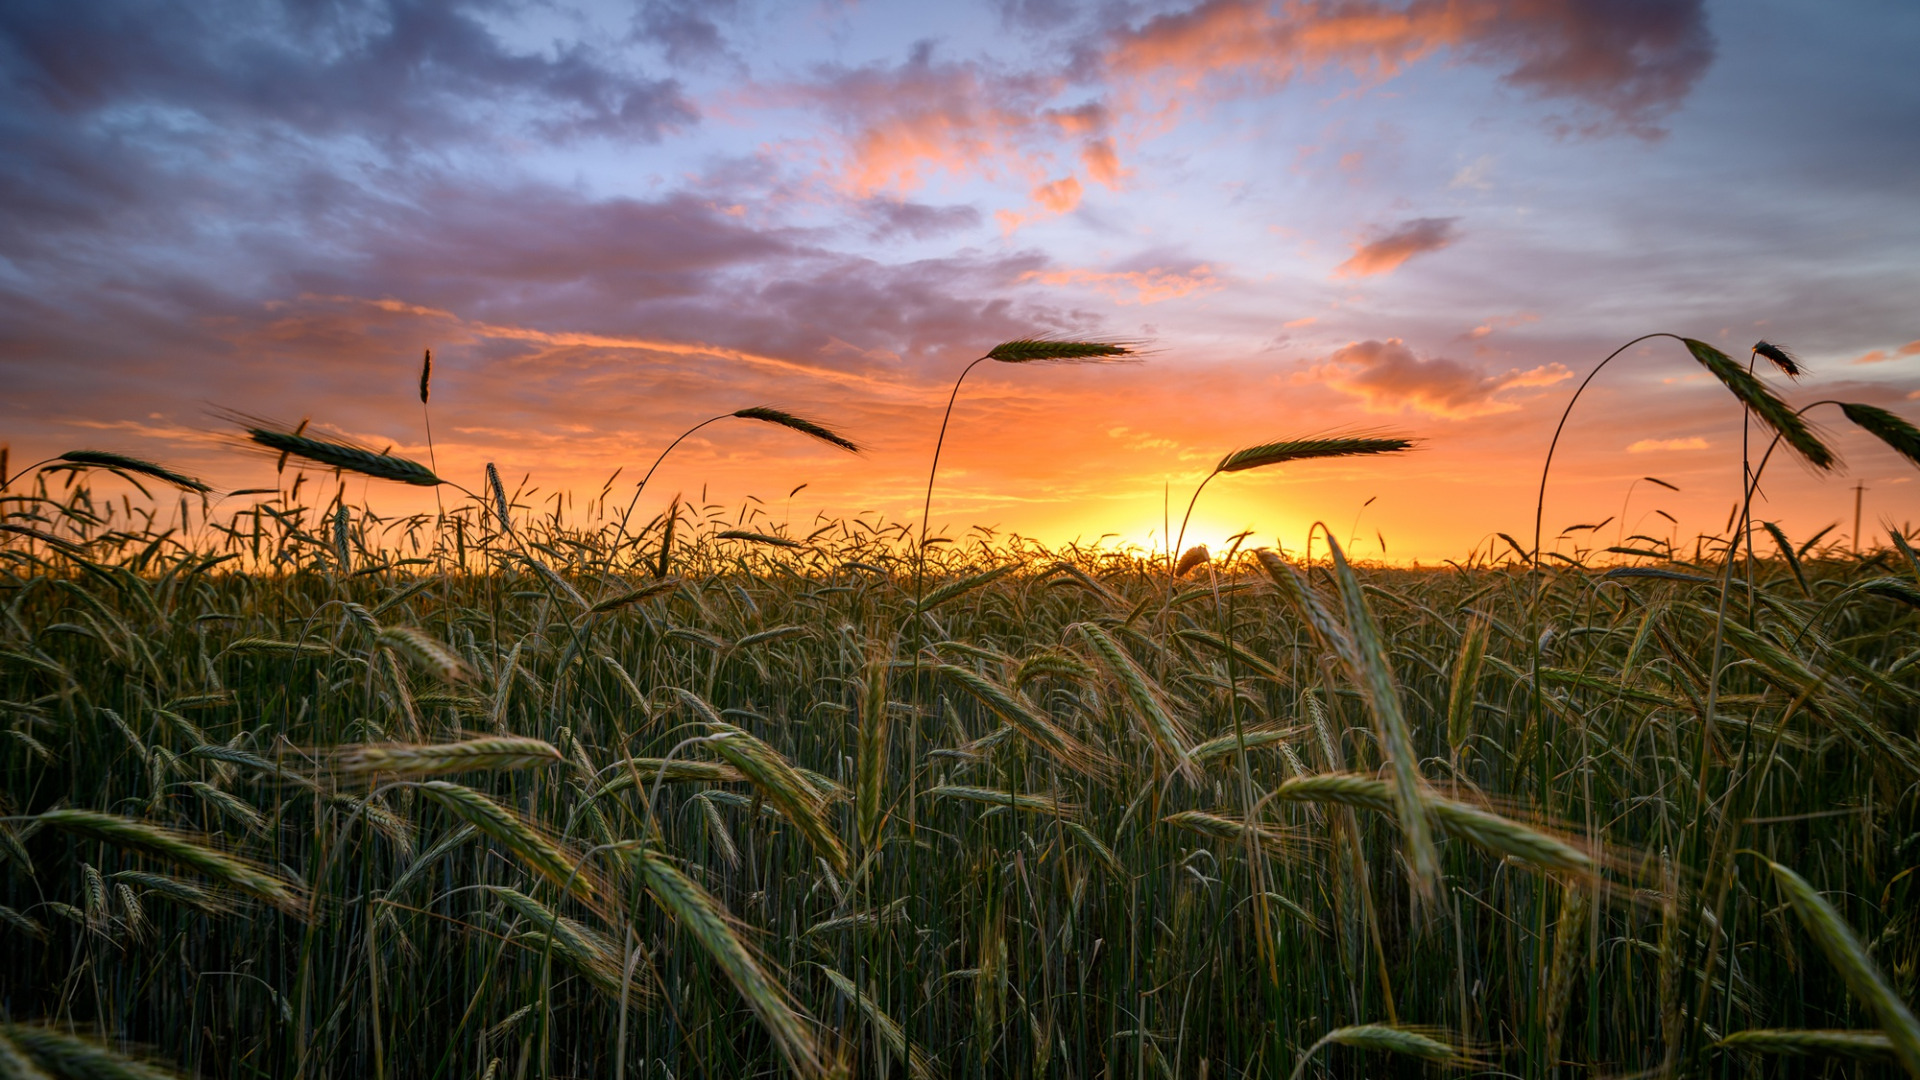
{"x": 687, "y": 31}
{"x": 1388, "y": 377}
{"x": 918, "y": 220}
{"x": 417, "y": 72}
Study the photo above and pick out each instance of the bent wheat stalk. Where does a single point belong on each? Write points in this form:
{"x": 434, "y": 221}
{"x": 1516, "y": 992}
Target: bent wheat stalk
{"x": 182, "y": 850}
{"x": 1844, "y": 950}
{"x": 1022, "y": 351}
{"x": 1279, "y": 453}
{"x": 1427, "y": 1044}
{"x": 765, "y": 414}
{"x": 701, "y": 915}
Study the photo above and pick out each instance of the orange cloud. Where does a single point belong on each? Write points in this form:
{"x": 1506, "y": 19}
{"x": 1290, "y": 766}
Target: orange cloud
{"x": 1148, "y": 286}
{"x": 1876, "y": 356}
{"x": 1059, "y": 196}
{"x": 1486, "y": 329}
{"x": 903, "y": 126}
{"x": 1633, "y": 63}
{"x": 1055, "y": 197}
{"x": 1088, "y": 119}
{"x": 900, "y": 126}
{"x": 558, "y": 340}
{"x": 1649, "y": 446}
{"x": 1387, "y": 377}
{"x": 1405, "y": 240}
{"x": 1102, "y": 163}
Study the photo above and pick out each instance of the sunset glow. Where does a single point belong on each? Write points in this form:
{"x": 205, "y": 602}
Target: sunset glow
{"x": 609, "y": 222}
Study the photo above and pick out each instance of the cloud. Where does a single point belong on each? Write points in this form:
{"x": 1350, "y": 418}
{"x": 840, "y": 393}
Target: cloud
{"x": 1146, "y": 285}
{"x": 1880, "y": 356}
{"x": 1102, "y": 163}
{"x": 900, "y": 125}
{"x": 918, "y": 220}
{"x": 1387, "y": 377}
{"x": 1650, "y": 446}
{"x": 1060, "y": 196}
{"x": 1385, "y": 253}
{"x": 1497, "y": 323}
{"x": 1474, "y": 174}
{"x": 686, "y": 31}
{"x": 417, "y": 73}
{"x": 1035, "y": 14}
{"x": 1627, "y": 63}
{"x": 896, "y": 128}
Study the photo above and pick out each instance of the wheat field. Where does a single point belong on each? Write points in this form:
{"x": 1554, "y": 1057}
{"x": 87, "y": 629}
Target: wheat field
{"x": 295, "y": 790}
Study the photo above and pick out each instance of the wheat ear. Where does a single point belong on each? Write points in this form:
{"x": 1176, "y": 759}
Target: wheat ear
{"x": 183, "y": 850}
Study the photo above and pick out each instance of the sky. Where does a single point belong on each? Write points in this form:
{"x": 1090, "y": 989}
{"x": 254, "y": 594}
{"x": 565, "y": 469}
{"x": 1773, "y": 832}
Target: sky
{"x": 611, "y": 221}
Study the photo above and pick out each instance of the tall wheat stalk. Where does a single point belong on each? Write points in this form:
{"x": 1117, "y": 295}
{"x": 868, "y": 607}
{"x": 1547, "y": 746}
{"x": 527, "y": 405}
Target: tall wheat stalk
{"x": 1270, "y": 454}
{"x": 765, "y": 414}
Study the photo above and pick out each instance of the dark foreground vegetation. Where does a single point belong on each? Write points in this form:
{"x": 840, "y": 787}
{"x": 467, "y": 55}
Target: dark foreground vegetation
{"x": 290, "y": 790}
{"x": 313, "y": 794}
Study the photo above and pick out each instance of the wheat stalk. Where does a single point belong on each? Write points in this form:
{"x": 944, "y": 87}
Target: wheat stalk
{"x": 963, "y": 586}
{"x": 1052, "y": 663}
{"x": 766, "y": 414}
{"x": 1020, "y": 351}
{"x": 1197, "y": 555}
{"x": 1221, "y": 827}
{"x": 919, "y": 1067}
{"x": 1465, "y": 681}
{"x": 1489, "y": 831}
{"x": 1279, "y": 453}
{"x": 782, "y": 785}
{"x": 1008, "y": 800}
{"x": 1426, "y": 1044}
{"x": 1254, "y": 738}
{"x": 1846, "y": 953}
{"x": 1165, "y": 733}
{"x": 186, "y": 851}
{"x": 181, "y": 892}
{"x": 669, "y": 771}
{"x": 270, "y": 647}
{"x": 697, "y": 912}
{"x": 14, "y": 1062}
{"x": 66, "y": 1055}
{"x": 628, "y": 599}
{"x": 500, "y": 753}
{"x": 582, "y": 949}
{"x": 1767, "y": 407}
{"x": 544, "y": 856}
{"x": 1897, "y": 433}
{"x": 426, "y": 653}
{"x": 757, "y": 538}
{"x": 1788, "y": 364}
{"x": 871, "y": 744}
{"x": 1802, "y": 1042}
{"x": 1372, "y": 671}
{"x": 337, "y": 454}
{"x": 1023, "y": 717}
{"x": 1029, "y": 350}
{"x": 122, "y": 463}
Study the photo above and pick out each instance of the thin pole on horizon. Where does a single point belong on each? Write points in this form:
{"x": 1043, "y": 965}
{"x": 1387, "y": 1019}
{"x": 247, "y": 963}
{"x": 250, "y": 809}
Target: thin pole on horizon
{"x": 1859, "y": 491}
